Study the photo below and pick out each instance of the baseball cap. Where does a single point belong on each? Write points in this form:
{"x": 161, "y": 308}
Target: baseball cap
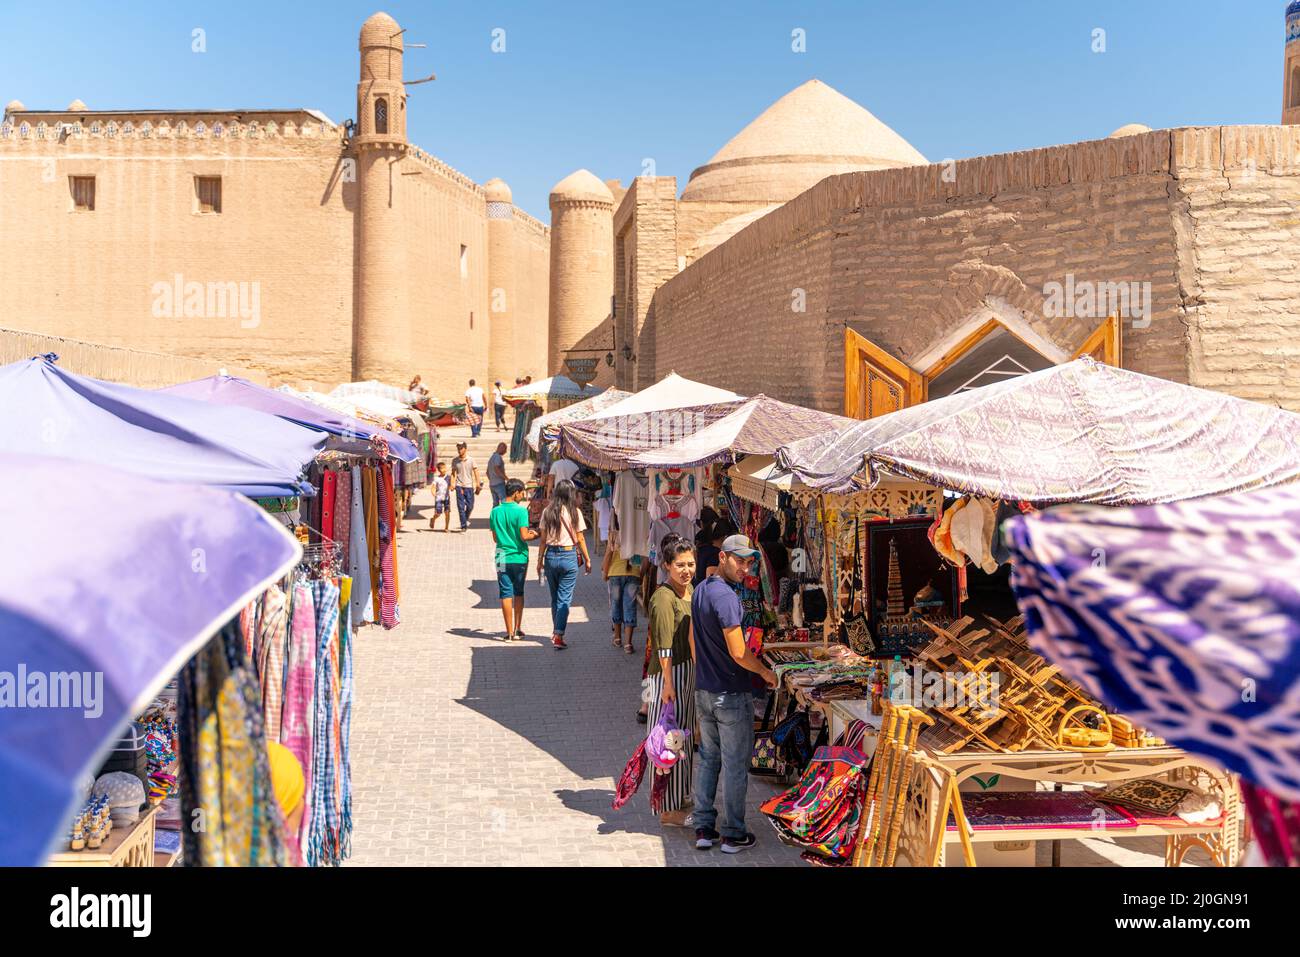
{"x": 739, "y": 545}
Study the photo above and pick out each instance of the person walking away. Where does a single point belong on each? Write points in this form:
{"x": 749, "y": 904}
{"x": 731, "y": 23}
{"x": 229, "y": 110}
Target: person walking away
{"x": 672, "y": 669}
{"x": 622, "y": 580}
{"x": 477, "y": 404}
{"x": 466, "y": 482}
{"x": 441, "y": 498}
{"x": 497, "y": 474}
{"x": 563, "y": 552}
{"x": 509, "y": 524}
{"x": 562, "y": 470}
{"x": 724, "y": 700}
{"x": 499, "y": 405}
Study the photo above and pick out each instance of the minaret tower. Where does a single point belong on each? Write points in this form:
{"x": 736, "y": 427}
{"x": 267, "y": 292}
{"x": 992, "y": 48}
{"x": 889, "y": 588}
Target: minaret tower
{"x": 381, "y": 326}
{"x": 895, "y": 592}
{"x": 1291, "y": 72}
{"x": 582, "y": 262}
{"x": 504, "y": 340}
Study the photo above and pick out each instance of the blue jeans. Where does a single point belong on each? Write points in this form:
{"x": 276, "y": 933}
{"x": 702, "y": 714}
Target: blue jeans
{"x": 478, "y": 410}
{"x": 500, "y": 411}
{"x": 498, "y": 493}
{"x": 726, "y": 746}
{"x": 622, "y": 599}
{"x": 561, "y": 575}
{"x": 464, "y": 503}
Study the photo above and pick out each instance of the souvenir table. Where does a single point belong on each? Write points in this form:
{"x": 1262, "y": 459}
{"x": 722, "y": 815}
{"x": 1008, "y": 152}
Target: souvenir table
{"x": 124, "y": 847}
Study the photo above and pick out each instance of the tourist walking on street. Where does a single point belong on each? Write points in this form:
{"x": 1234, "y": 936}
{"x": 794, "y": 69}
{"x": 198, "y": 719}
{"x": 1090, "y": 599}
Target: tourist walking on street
{"x": 622, "y": 580}
{"x": 672, "y": 669}
{"x": 563, "y": 552}
{"x": 509, "y": 523}
{"x": 499, "y": 405}
{"x": 724, "y": 699}
{"x": 561, "y": 470}
{"x": 441, "y": 498}
{"x": 497, "y": 474}
{"x": 475, "y": 406}
{"x": 466, "y": 482}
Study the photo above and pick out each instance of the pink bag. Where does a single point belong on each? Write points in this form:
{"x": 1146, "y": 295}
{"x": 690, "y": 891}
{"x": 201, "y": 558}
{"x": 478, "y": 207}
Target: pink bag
{"x": 662, "y": 750}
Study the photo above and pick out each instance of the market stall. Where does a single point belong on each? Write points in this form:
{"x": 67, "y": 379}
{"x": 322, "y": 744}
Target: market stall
{"x": 915, "y": 588}
{"x": 126, "y": 585}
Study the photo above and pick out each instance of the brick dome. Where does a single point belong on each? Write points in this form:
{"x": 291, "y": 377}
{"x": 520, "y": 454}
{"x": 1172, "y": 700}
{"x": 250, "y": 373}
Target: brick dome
{"x": 14, "y": 106}
{"x": 812, "y": 132}
{"x": 582, "y": 185}
{"x": 381, "y": 30}
{"x": 1129, "y": 129}
{"x": 496, "y": 191}
{"x": 720, "y": 233}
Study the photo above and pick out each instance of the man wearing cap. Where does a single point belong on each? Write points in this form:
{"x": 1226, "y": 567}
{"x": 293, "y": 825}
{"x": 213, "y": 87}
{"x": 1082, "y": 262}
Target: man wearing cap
{"x": 724, "y": 699}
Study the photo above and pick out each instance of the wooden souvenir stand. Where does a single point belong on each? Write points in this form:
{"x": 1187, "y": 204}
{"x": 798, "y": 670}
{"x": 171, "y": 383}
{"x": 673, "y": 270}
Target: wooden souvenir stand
{"x": 124, "y": 847}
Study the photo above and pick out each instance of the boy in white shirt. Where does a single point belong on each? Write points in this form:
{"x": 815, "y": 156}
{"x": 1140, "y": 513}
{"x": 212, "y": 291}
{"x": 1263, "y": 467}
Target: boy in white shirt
{"x": 441, "y": 498}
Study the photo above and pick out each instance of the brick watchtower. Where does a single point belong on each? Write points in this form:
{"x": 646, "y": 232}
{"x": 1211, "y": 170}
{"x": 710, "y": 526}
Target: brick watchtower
{"x": 380, "y": 331}
{"x": 1291, "y": 71}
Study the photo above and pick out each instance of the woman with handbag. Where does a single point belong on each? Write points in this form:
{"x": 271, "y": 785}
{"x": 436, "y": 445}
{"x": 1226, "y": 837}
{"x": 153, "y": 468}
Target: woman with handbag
{"x": 563, "y": 551}
{"x": 672, "y": 672}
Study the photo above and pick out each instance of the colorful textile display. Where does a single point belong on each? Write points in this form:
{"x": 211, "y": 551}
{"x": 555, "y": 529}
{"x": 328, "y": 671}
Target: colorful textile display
{"x": 298, "y": 717}
{"x": 273, "y": 636}
{"x": 821, "y": 812}
{"x": 225, "y": 771}
{"x": 1183, "y": 617}
{"x": 326, "y": 796}
{"x": 389, "y": 613}
{"x": 359, "y": 554}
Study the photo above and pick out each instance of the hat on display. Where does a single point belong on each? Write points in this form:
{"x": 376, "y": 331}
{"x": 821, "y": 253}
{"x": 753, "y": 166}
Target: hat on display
{"x": 125, "y": 794}
{"x": 739, "y": 545}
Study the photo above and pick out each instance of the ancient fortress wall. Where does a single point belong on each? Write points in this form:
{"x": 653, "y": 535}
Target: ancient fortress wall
{"x": 529, "y": 315}
{"x": 1237, "y": 215}
{"x": 283, "y": 242}
{"x": 905, "y": 256}
{"x": 446, "y": 302}
{"x": 144, "y": 370}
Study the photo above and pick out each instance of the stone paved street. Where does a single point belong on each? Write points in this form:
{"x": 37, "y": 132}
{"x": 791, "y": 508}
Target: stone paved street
{"x": 467, "y": 750}
{"x": 470, "y": 751}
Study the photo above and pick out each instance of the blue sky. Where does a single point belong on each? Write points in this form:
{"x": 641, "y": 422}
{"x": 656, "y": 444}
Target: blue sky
{"x": 606, "y": 85}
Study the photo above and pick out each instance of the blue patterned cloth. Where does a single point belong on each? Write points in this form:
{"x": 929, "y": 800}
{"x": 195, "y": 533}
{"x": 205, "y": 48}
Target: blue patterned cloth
{"x": 1184, "y": 617}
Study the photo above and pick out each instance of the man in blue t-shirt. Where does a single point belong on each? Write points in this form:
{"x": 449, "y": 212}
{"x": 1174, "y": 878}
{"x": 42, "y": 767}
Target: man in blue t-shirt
{"x": 724, "y": 699}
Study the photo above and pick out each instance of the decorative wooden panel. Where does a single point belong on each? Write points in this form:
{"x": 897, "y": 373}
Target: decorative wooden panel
{"x": 874, "y": 381}
{"x": 1104, "y": 343}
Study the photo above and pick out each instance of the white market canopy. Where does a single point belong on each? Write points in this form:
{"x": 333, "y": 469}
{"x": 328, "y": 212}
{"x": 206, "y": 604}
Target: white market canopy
{"x": 670, "y": 392}
{"x": 556, "y": 387}
{"x": 1077, "y": 432}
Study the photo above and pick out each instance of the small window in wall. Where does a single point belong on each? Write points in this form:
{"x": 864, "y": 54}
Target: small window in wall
{"x": 207, "y": 190}
{"x": 83, "y": 192}
{"x": 1294, "y": 100}
{"x": 471, "y": 320}
{"x": 381, "y": 115}
{"x": 464, "y": 262}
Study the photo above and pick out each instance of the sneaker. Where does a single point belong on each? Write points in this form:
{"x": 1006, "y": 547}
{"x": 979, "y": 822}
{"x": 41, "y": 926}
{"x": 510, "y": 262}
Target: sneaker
{"x": 558, "y": 643}
{"x": 705, "y": 838}
{"x": 734, "y": 845}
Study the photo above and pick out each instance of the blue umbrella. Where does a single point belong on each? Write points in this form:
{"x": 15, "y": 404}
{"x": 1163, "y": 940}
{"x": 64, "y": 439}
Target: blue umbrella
{"x": 231, "y": 390}
{"x": 1184, "y": 617}
{"x": 49, "y": 411}
{"x": 111, "y": 583}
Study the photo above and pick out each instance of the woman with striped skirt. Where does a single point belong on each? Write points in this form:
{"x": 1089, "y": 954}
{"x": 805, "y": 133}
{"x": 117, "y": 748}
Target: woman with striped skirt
{"x": 672, "y": 671}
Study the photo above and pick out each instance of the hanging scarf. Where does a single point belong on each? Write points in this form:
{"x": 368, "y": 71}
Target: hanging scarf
{"x": 359, "y": 557}
{"x": 273, "y": 633}
{"x": 369, "y": 479}
{"x": 342, "y": 530}
{"x": 328, "y": 493}
{"x": 227, "y": 802}
{"x": 298, "y": 717}
{"x": 389, "y": 615}
{"x": 345, "y": 722}
{"x": 321, "y": 845}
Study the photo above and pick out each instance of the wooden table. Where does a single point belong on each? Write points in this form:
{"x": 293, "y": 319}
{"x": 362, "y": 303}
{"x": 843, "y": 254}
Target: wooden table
{"x": 124, "y": 847}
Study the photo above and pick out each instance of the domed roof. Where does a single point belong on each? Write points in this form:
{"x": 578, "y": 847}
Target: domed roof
{"x": 720, "y": 233}
{"x": 1129, "y": 129}
{"x": 582, "y": 185}
{"x": 14, "y": 106}
{"x": 812, "y": 132}
{"x": 497, "y": 191}
{"x": 381, "y": 30}
{"x": 76, "y": 106}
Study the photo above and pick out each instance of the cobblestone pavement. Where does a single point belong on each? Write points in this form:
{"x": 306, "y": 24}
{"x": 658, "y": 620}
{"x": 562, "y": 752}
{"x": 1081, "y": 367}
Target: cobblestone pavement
{"x": 470, "y": 751}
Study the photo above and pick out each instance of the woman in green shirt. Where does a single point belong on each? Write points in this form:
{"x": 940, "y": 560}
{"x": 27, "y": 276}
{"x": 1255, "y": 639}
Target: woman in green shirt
{"x": 672, "y": 666}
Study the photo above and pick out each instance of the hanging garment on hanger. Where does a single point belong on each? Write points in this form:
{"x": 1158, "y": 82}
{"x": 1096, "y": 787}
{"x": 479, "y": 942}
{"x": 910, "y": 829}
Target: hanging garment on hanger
{"x": 345, "y": 722}
{"x": 359, "y": 554}
{"x": 389, "y": 615}
{"x": 342, "y": 531}
{"x": 631, "y": 504}
{"x": 324, "y": 793}
{"x": 329, "y": 485}
{"x": 369, "y": 484}
{"x": 273, "y": 633}
{"x": 298, "y": 712}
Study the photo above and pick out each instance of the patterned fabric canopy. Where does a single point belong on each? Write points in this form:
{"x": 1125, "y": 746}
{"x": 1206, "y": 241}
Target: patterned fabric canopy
{"x": 611, "y": 443}
{"x": 1077, "y": 432}
{"x": 556, "y": 387}
{"x": 1184, "y": 617}
{"x": 380, "y": 390}
{"x": 757, "y": 427}
{"x": 551, "y": 422}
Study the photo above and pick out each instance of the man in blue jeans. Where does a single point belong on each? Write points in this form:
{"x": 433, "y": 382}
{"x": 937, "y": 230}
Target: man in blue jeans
{"x": 724, "y": 699}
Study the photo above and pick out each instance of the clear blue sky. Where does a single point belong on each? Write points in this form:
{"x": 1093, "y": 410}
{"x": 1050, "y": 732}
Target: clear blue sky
{"x": 605, "y": 85}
